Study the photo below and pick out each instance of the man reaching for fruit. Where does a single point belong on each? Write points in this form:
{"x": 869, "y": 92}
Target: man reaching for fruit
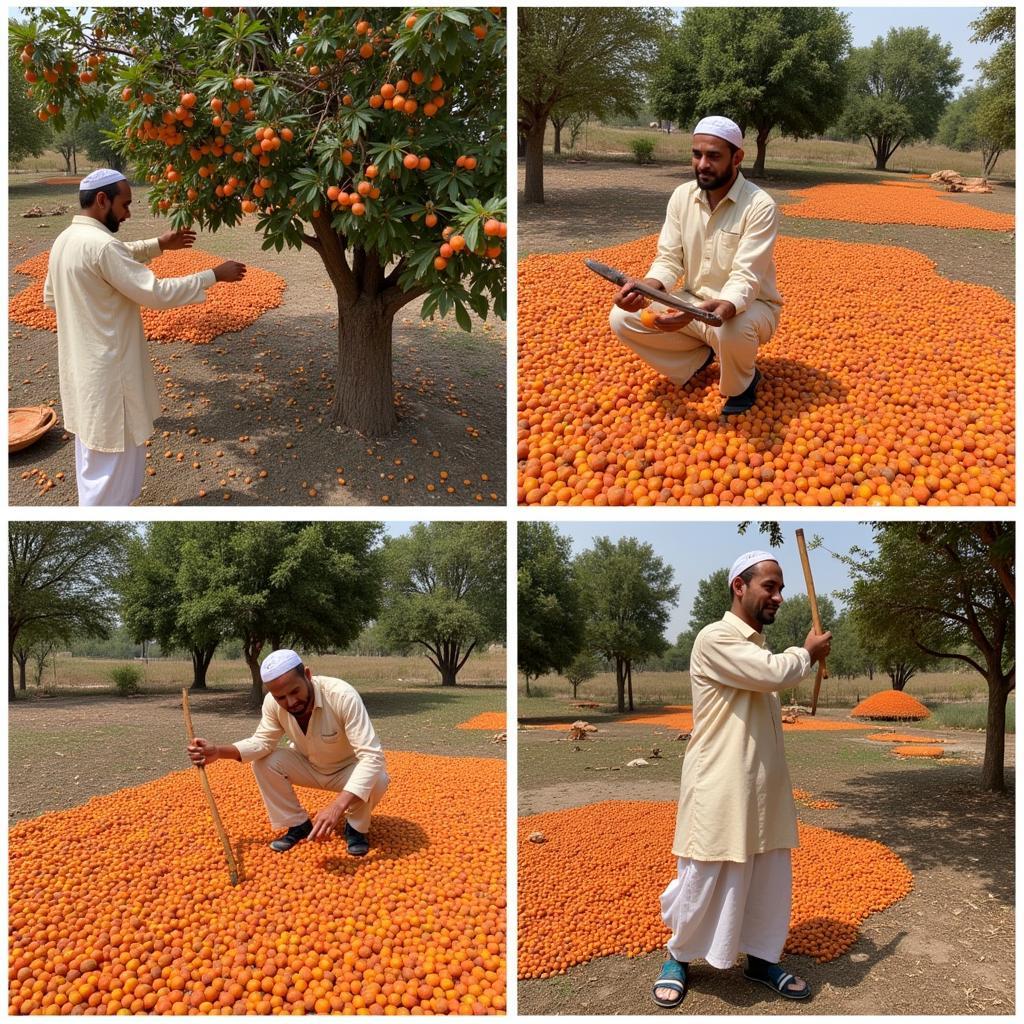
{"x": 719, "y": 235}
{"x": 97, "y": 283}
{"x": 332, "y": 746}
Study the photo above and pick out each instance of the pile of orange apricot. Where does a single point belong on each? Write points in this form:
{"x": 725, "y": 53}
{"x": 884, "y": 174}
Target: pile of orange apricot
{"x": 885, "y": 384}
{"x": 492, "y": 721}
{"x": 890, "y": 705}
{"x": 898, "y": 737}
{"x": 226, "y": 307}
{"x": 601, "y": 868}
{"x": 878, "y": 204}
{"x": 124, "y": 905}
{"x": 918, "y": 750}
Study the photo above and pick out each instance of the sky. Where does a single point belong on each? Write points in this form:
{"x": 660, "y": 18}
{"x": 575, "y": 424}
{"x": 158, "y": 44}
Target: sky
{"x": 695, "y": 550}
{"x": 951, "y": 24}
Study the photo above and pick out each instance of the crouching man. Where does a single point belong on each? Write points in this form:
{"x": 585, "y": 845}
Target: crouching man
{"x": 333, "y": 746}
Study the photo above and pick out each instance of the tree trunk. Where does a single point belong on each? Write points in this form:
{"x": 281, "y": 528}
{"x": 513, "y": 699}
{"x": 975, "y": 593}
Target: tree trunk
{"x": 201, "y": 658}
{"x": 12, "y": 637}
{"x": 251, "y": 649}
{"x": 558, "y": 136}
{"x": 757, "y": 171}
{"x": 575, "y": 687}
{"x": 620, "y": 683}
{"x": 22, "y": 660}
{"x": 533, "y": 191}
{"x": 629, "y": 682}
{"x": 364, "y": 397}
{"x": 527, "y": 677}
{"x": 992, "y": 771}
{"x": 881, "y": 159}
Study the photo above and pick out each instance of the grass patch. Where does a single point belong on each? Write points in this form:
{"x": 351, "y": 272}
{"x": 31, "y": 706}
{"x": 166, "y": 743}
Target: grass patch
{"x": 972, "y": 716}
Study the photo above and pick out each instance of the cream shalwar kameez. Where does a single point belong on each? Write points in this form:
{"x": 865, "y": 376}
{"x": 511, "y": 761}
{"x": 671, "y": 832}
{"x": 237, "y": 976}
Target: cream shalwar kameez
{"x": 736, "y": 821}
{"x": 108, "y": 392}
{"x": 725, "y": 253}
{"x": 339, "y": 751}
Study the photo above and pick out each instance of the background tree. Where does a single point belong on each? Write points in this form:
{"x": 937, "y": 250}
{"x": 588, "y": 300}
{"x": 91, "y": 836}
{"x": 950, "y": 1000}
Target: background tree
{"x": 60, "y": 580}
{"x": 937, "y": 581}
{"x": 793, "y": 621}
{"x": 35, "y": 643}
{"x": 581, "y": 670}
{"x": 628, "y": 594}
{"x": 581, "y": 59}
{"x": 445, "y": 591}
{"x": 848, "y": 656}
{"x": 899, "y": 88}
{"x": 566, "y": 115}
{"x": 98, "y": 140}
{"x": 995, "y": 118}
{"x": 710, "y": 603}
{"x": 768, "y": 68}
{"x": 362, "y": 133}
{"x": 26, "y": 134}
{"x": 67, "y": 142}
{"x": 550, "y": 632}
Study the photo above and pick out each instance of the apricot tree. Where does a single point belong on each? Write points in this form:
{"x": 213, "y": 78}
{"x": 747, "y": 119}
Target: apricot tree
{"x": 374, "y": 136}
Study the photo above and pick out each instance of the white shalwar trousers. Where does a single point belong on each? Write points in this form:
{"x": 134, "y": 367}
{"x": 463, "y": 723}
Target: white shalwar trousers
{"x": 109, "y": 478}
{"x": 281, "y": 771}
{"x": 678, "y": 355}
{"x": 719, "y": 909}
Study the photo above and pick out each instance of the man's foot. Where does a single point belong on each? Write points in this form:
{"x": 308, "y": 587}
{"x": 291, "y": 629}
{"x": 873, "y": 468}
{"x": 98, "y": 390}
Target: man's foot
{"x": 787, "y": 985}
{"x": 745, "y": 400}
{"x": 294, "y": 835}
{"x": 670, "y": 988}
{"x": 710, "y": 359}
{"x": 358, "y": 842}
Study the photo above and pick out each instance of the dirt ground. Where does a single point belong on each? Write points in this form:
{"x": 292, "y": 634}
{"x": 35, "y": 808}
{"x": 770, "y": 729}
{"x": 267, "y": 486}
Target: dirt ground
{"x": 947, "y": 948}
{"x": 260, "y": 398}
{"x": 64, "y": 750}
{"x": 604, "y": 202}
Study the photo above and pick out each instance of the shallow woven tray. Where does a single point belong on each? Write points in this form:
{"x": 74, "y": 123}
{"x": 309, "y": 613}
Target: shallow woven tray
{"x": 27, "y": 424}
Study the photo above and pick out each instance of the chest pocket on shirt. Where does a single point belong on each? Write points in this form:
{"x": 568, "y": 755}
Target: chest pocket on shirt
{"x": 727, "y": 242}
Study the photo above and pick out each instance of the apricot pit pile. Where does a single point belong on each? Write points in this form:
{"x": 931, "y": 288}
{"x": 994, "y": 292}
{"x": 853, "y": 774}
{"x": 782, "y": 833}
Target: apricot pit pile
{"x": 124, "y": 905}
{"x": 227, "y": 307}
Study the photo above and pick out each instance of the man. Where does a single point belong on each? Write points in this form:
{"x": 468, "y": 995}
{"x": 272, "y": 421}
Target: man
{"x": 719, "y": 234}
{"x": 97, "y": 283}
{"x": 736, "y": 823}
{"x": 333, "y": 746}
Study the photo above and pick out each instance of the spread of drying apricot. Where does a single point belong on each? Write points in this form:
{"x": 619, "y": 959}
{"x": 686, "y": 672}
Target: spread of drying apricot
{"x": 492, "y": 721}
{"x": 899, "y": 737}
{"x": 227, "y": 307}
{"x": 890, "y": 705}
{"x": 591, "y": 888}
{"x": 124, "y": 905}
{"x": 877, "y": 204}
{"x": 885, "y": 384}
{"x": 917, "y": 750}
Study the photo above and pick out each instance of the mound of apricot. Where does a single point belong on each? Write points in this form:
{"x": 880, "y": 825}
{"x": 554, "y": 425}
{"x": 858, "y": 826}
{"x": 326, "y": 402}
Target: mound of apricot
{"x": 591, "y": 888}
{"x": 124, "y": 905}
{"x": 890, "y": 705}
{"x": 885, "y": 384}
{"x": 879, "y": 204}
{"x": 918, "y": 750}
{"x": 227, "y": 307}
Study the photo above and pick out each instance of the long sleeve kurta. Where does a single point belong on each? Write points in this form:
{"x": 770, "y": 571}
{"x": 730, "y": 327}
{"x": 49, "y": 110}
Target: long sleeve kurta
{"x": 736, "y": 799}
{"x": 339, "y": 734}
{"x": 725, "y": 253}
{"x": 97, "y": 283}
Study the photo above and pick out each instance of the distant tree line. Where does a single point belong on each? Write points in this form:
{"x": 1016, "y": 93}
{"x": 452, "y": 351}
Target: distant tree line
{"x": 774, "y": 70}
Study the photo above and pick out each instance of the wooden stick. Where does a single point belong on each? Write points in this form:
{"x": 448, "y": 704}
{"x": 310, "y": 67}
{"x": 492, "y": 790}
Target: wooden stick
{"x": 218, "y": 824}
{"x": 815, "y": 617}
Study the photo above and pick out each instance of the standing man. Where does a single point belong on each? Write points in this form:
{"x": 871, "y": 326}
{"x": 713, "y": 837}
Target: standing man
{"x": 97, "y": 283}
{"x": 736, "y": 823}
{"x": 719, "y": 235}
{"x": 333, "y": 746}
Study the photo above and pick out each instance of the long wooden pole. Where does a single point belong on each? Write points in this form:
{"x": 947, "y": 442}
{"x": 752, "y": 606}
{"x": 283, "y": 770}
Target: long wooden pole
{"x": 217, "y": 823}
{"x": 815, "y": 617}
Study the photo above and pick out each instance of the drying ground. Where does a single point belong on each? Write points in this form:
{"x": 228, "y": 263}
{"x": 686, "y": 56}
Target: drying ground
{"x": 271, "y": 384}
{"x": 946, "y": 948}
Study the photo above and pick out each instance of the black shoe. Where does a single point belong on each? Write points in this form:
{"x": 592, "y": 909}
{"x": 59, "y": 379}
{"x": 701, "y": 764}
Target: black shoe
{"x": 710, "y": 359}
{"x": 294, "y": 835}
{"x": 358, "y": 842}
{"x": 743, "y": 402}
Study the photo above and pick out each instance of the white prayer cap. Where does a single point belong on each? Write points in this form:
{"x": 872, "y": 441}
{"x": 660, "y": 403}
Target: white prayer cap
{"x": 277, "y": 663}
{"x": 744, "y": 562}
{"x": 99, "y": 178}
{"x": 721, "y": 128}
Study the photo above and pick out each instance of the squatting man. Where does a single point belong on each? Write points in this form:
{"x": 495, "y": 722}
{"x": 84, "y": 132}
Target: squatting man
{"x": 736, "y": 821}
{"x": 96, "y": 283}
{"x": 719, "y": 239}
{"x": 332, "y": 746}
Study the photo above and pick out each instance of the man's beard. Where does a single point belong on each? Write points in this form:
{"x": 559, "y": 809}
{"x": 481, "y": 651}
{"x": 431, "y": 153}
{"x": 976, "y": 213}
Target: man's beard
{"x": 110, "y": 222}
{"x": 710, "y": 186}
{"x": 766, "y": 616}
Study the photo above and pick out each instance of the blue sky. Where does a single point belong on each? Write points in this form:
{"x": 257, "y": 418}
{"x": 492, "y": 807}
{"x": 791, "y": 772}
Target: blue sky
{"x": 695, "y": 550}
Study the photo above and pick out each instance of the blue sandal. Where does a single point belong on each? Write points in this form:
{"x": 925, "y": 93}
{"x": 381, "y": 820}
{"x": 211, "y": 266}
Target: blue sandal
{"x": 778, "y": 980}
{"x": 673, "y": 976}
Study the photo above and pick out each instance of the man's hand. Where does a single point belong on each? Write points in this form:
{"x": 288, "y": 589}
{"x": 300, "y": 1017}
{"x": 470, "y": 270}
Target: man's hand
{"x": 818, "y": 645}
{"x": 677, "y": 321}
{"x": 629, "y": 299}
{"x": 229, "y": 270}
{"x": 326, "y": 822}
{"x": 183, "y": 238}
{"x": 202, "y": 751}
